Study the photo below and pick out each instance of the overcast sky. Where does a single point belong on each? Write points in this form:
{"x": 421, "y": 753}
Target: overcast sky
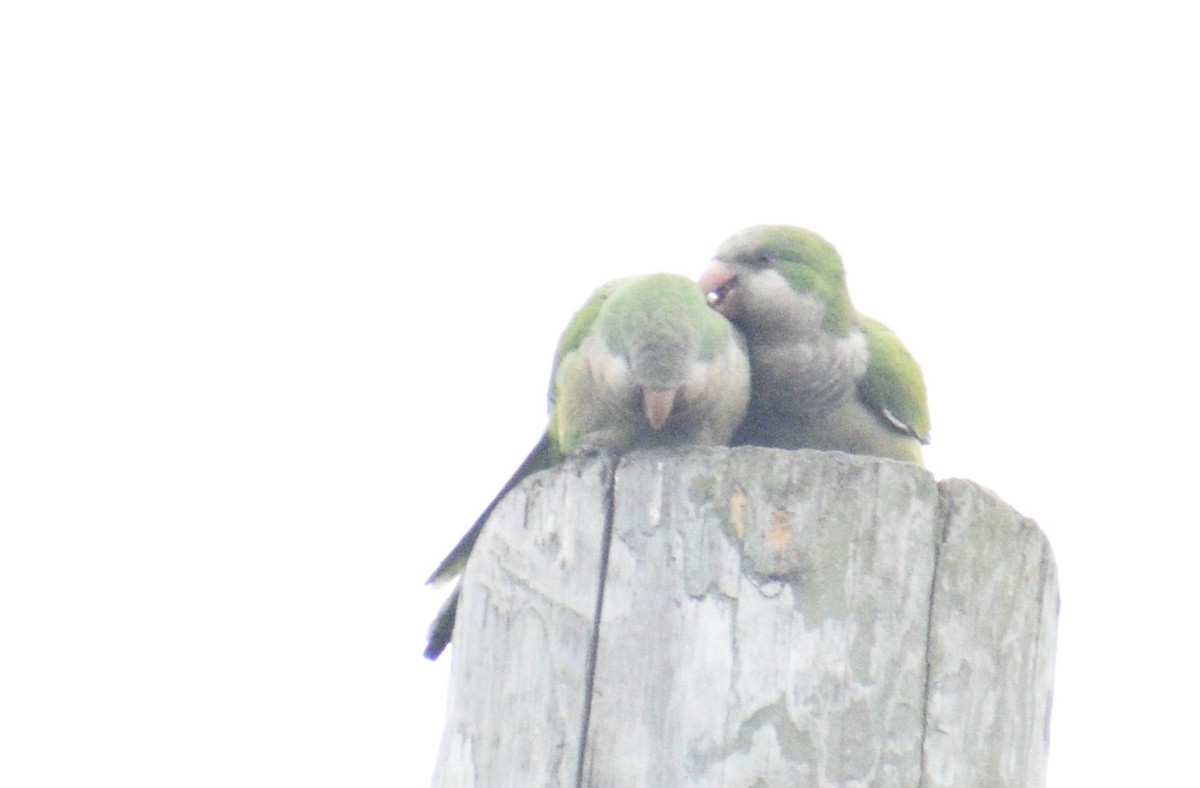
{"x": 281, "y": 284}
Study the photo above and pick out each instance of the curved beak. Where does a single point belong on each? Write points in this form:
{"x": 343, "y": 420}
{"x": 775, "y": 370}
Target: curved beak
{"x": 716, "y": 283}
{"x": 657, "y": 404}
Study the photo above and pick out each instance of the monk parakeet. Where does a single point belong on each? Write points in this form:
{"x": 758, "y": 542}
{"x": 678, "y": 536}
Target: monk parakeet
{"x": 824, "y": 376}
{"x": 644, "y": 363}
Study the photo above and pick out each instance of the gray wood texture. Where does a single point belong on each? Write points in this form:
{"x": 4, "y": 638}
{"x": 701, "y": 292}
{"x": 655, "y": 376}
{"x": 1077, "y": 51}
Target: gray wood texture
{"x": 765, "y": 618}
{"x": 991, "y": 645}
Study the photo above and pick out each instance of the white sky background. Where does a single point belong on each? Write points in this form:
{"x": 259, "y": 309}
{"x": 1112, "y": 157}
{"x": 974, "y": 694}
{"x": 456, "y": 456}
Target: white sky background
{"x": 281, "y": 283}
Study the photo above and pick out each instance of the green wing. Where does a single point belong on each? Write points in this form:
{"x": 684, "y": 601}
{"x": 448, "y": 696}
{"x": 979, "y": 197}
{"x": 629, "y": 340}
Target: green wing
{"x": 577, "y": 330}
{"x": 544, "y": 455}
{"x": 893, "y": 384}
{"x": 581, "y": 323}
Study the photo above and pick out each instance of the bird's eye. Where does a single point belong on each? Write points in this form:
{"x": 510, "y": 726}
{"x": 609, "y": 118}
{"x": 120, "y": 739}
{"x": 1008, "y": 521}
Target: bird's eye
{"x": 763, "y": 260}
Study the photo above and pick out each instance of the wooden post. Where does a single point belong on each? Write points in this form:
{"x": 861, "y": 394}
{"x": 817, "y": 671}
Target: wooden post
{"x": 739, "y": 617}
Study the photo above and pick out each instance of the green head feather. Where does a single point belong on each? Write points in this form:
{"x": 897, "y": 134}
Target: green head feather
{"x": 661, "y": 307}
{"x": 807, "y": 261}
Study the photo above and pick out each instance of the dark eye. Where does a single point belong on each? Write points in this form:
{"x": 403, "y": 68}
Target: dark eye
{"x": 763, "y": 260}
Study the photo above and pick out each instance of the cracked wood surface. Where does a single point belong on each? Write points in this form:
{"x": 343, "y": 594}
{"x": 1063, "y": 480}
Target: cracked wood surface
{"x": 767, "y": 618}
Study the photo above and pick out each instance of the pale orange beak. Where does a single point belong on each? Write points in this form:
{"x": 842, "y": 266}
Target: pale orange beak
{"x": 715, "y": 283}
{"x": 657, "y": 404}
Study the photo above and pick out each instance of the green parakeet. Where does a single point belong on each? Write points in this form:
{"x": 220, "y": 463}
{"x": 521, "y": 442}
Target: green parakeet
{"x": 644, "y": 363}
{"x": 824, "y": 376}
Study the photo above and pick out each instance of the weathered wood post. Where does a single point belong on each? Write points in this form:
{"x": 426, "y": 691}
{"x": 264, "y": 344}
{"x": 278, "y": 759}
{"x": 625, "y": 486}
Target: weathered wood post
{"x": 741, "y": 617}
